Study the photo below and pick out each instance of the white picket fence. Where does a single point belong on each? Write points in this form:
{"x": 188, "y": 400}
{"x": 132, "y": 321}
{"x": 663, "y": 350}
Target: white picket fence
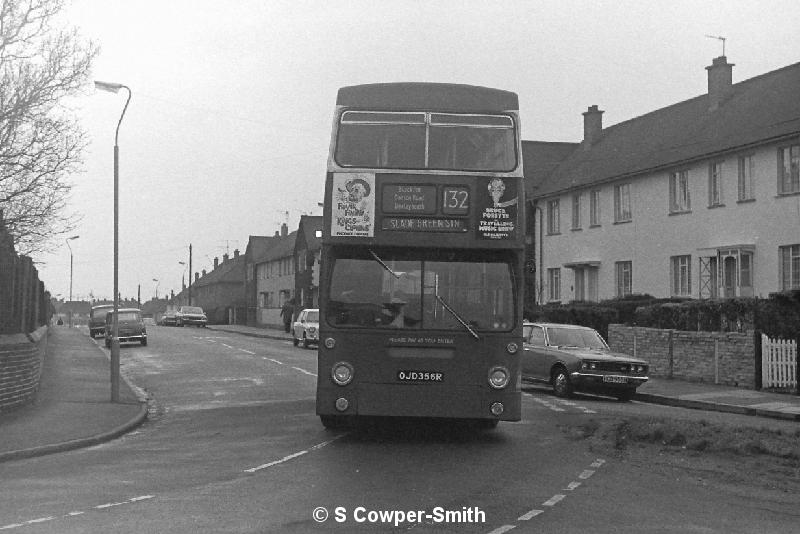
{"x": 778, "y": 363}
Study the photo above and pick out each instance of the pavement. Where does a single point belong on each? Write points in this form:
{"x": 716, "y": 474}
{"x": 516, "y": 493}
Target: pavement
{"x": 73, "y": 407}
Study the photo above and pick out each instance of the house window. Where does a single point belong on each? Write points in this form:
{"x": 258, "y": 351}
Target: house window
{"x": 301, "y": 261}
{"x": 679, "y": 200}
{"x": 746, "y": 169}
{"x": 576, "y": 211}
{"x": 594, "y": 207}
{"x": 789, "y": 169}
{"x": 622, "y": 203}
{"x": 553, "y": 217}
{"x": 554, "y": 279}
{"x": 624, "y": 277}
{"x": 715, "y": 184}
{"x": 681, "y": 274}
{"x": 790, "y": 267}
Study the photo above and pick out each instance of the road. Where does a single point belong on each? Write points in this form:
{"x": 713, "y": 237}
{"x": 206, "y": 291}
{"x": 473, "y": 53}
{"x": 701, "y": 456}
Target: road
{"x": 233, "y": 445}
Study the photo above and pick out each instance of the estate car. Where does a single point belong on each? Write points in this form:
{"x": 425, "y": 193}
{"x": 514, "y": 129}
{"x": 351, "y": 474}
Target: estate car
{"x": 190, "y": 315}
{"x": 577, "y": 358}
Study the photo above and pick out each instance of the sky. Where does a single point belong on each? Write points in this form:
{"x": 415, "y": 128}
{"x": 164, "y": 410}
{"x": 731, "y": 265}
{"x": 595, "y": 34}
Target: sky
{"x": 228, "y": 127}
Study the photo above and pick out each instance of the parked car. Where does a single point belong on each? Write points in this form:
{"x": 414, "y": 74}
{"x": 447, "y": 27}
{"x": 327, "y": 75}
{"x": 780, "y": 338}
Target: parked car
{"x": 97, "y": 319}
{"x": 168, "y": 319}
{"x": 190, "y": 315}
{"x": 130, "y": 325}
{"x": 577, "y": 358}
{"x": 306, "y": 328}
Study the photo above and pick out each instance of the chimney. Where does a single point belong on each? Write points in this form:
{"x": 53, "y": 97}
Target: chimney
{"x": 235, "y": 253}
{"x": 720, "y": 81}
{"x": 284, "y": 230}
{"x": 216, "y": 262}
{"x": 224, "y": 257}
{"x": 592, "y": 125}
{"x": 204, "y": 272}
{"x": 277, "y": 233}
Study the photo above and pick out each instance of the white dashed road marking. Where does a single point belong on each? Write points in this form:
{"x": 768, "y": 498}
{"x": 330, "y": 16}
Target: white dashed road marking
{"x": 304, "y": 371}
{"x": 552, "y": 501}
{"x": 294, "y": 455}
{"x": 75, "y": 513}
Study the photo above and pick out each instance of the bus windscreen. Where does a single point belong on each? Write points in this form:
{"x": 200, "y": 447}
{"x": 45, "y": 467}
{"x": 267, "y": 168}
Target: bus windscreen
{"x": 424, "y": 293}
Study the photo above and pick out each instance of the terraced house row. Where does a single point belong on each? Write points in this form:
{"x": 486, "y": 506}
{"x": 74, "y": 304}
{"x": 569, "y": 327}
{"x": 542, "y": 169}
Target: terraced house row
{"x": 699, "y": 199}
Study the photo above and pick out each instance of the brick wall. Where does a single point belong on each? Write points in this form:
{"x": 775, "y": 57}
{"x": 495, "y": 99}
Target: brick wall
{"x": 21, "y": 358}
{"x": 717, "y": 357}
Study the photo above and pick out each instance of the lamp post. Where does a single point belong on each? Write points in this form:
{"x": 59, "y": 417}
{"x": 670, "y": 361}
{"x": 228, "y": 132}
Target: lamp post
{"x": 156, "y": 281}
{"x": 70, "y": 263}
{"x": 114, "y": 88}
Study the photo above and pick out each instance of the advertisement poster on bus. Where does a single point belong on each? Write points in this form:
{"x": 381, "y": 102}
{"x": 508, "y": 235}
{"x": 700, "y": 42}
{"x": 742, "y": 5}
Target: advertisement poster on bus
{"x": 353, "y": 206}
{"x": 497, "y": 206}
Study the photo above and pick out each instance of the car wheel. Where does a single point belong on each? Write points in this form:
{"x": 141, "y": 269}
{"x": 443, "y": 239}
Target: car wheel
{"x": 562, "y": 386}
{"x": 144, "y": 342}
{"x": 626, "y": 395}
{"x": 295, "y": 340}
{"x": 108, "y": 343}
{"x": 305, "y": 342}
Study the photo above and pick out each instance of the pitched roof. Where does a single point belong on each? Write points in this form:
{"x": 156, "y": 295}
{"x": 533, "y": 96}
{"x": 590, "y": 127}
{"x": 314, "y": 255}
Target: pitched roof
{"x": 280, "y": 247}
{"x": 762, "y": 109}
{"x": 257, "y": 246}
{"x": 310, "y": 225}
{"x": 229, "y": 271}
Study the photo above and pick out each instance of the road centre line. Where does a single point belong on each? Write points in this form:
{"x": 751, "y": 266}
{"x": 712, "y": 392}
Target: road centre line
{"x": 247, "y": 351}
{"x": 554, "y": 500}
{"x": 274, "y": 361}
{"x": 292, "y": 456}
{"x": 529, "y": 515}
{"x": 75, "y": 513}
{"x": 304, "y": 371}
{"x": 504, "y": 528}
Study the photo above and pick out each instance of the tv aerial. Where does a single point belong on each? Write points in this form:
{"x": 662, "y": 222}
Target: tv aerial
{"x": 720, "y": 38}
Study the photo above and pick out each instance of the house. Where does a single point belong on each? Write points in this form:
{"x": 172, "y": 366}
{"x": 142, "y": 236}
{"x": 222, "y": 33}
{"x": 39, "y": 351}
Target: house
{"x": 273, "y": 277}
{"x": 698, "y": 199}
{"x": 220, "y": 292}
{"x": 307, "y": 250}
{"x": 257, "y": 246}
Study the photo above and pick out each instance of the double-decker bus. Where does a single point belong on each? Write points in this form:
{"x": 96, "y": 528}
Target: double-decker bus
{"x": 421, "y": 274}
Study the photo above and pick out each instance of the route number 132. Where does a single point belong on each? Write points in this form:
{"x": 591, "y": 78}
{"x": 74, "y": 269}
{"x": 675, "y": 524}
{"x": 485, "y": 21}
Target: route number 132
{"x": 456, "y": 200}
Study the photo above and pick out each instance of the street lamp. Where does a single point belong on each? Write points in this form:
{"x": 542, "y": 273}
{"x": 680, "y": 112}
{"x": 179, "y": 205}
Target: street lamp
{"x": 70, "y": 263}
{"x": 70, "y": 275}
{"x": 114, "y": 88}
{"x": 156, "y": 281}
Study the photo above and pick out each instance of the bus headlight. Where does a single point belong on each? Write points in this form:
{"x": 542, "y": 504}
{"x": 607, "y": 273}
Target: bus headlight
{"x": 342, "y": 373}
{"x": 498, "y": 377}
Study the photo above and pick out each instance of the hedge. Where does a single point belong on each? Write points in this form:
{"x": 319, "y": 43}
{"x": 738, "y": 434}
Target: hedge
{"x": 776, "y": 316}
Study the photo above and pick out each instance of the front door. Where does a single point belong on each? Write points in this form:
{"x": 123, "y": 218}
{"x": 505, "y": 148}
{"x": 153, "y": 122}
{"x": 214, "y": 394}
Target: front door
{"x": 729, "y": 277}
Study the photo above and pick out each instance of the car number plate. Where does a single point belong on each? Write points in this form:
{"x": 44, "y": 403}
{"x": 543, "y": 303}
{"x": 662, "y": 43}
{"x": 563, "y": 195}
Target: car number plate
{"x": 420, "y": 376}
{"x": 615, "y": 379}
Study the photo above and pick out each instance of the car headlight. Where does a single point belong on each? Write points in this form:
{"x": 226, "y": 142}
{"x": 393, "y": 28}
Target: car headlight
{"x": 342, "y": 373}
{"x": 498, "y": 377}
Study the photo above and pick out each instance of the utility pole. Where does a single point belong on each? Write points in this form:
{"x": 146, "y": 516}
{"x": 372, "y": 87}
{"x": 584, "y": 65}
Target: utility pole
{"x": 190, "y": 274}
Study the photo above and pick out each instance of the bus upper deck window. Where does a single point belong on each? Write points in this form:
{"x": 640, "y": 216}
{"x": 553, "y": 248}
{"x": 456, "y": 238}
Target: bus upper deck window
{"x": 472, "y": 142}
{"x": 381, "y": 140}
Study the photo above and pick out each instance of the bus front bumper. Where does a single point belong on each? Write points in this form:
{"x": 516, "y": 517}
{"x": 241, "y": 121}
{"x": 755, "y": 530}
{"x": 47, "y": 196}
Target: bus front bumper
{"x": 420, "y": 400}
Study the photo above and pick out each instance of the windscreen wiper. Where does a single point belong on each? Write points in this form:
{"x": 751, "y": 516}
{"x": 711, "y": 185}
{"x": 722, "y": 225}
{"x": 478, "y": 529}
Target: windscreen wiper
{"x": 457, "y": 316}
{"x": 383, "y": 264}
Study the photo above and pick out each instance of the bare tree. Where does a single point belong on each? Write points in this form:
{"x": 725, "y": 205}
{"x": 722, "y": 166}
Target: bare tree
{"x": 41, "y": 142}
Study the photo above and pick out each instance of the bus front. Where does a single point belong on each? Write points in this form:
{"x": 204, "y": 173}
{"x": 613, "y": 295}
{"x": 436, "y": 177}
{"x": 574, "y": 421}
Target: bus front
{"x": 422, "y": 256}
